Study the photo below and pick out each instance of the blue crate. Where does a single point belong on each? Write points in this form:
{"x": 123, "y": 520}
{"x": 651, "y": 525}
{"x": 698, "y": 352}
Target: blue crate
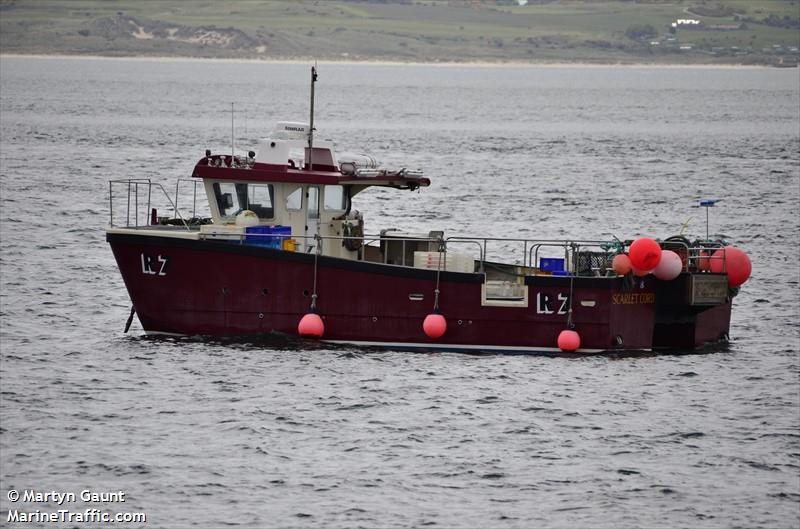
{"x": 549, "y": 264}
{"x": 561, "y": 273}
{"x": 267, "y": 236}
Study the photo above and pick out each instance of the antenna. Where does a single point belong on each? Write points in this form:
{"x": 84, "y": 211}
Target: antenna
{"x": 311, "y": 119}
{"x": 232, "y": 146}
{"x": 707, "y": 204}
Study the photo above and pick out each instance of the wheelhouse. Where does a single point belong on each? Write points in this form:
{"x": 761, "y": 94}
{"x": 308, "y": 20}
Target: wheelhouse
{"x": 284, "y": 183}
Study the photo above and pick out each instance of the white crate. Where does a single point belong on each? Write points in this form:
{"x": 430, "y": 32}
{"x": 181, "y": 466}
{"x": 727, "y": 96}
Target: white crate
{"x": 451, "y": 261}
{"x": 222, "y": 232}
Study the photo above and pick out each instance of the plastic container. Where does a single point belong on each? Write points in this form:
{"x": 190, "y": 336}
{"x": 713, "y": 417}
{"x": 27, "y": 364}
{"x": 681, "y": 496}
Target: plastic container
{"x": 267, "y": 236}
{"x": 550, "y": 264}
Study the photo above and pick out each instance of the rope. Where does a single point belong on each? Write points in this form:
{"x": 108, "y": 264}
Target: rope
{"x": 570, "y": 325}
{"x": 616, "y": 246}
{"x": 442, "y": 252}
{"x": 316, "y": 258}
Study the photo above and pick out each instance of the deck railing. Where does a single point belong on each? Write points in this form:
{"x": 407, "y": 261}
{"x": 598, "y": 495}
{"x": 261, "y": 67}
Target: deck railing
{"x": 194, "y": 184}
{"x": 142, "y": 199}
{"x": 504, "y": 257}
{"x": 581, "y": 258}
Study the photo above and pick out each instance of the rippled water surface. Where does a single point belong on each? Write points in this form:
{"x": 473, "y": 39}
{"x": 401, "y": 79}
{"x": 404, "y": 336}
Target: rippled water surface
{"x": 279, "y": 433}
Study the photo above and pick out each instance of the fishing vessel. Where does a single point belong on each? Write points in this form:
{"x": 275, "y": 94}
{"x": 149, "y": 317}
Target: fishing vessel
{"x": 284, "y": 249}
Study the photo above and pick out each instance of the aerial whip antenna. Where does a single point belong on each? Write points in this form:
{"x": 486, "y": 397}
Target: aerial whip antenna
{"x": 707, "y": 204}
{"x": 311, "y": 119}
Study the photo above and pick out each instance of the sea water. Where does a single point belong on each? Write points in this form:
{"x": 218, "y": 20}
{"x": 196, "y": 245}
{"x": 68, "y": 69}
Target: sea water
{"x": 284, "y": 433}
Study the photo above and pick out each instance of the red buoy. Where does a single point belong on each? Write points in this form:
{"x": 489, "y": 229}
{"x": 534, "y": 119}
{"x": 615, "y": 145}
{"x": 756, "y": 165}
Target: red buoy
{"x": 311, "y": 325}
{"x": 621, "y": 264}
{"x": 569, "y": 341}
{"x": 704, "y": 263}
{"x": 434, "y": 326}
{"x": 734, "y": 262}
{"x": 645, "y": 254}
{"x": 639, "y": 273}
{"x": 669, "y": 267}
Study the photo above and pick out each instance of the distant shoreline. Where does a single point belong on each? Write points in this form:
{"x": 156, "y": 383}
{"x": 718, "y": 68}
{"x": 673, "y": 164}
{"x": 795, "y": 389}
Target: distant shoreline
{"x": 377, "y": 62}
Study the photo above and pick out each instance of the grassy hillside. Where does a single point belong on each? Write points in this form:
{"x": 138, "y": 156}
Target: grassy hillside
{"x": 766, "y": 31}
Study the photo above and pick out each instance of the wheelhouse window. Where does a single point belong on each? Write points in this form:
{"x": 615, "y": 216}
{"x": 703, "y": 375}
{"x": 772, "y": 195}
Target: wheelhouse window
{"x": 294, "y": 200}
{"x": 335, "y": 198}
{"x": 260, "y": 200}
{"x": 234, "y": 198}
{"x": 313, "y": 202}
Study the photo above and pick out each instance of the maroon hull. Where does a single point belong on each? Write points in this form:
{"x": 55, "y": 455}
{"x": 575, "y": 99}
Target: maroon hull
{"x": 181, "y": 286}
{"x": 682, "y": 324}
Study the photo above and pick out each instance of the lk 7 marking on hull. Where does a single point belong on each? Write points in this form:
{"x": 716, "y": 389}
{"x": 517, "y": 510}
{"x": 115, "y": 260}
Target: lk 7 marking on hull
{"x": 154, "y": 265}
{"x": 544, "y": 303}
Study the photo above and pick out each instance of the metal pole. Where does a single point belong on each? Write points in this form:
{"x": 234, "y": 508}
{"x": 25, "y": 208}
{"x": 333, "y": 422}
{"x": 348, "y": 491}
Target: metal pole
{"x": 311, "y": 121}
{"x": 232, "y": 148}
{"x": 177, "y": 196}
{"x": 136, "y": 205}
{"x": 525, "y": 253}
{"x": 110, "y": 205}
{"x": 707, "y": 204}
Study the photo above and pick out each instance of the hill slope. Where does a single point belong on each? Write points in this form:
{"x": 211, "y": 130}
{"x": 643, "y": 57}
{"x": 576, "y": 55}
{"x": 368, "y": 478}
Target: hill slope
{"x": 732, "y": 31}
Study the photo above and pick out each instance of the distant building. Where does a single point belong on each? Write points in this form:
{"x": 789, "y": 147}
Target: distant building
{"x": 687, "y": 23}
{"x": 724, "y": 27}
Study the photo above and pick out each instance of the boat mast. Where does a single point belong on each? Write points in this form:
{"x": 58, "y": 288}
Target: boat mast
{"x": 311, "y": 120}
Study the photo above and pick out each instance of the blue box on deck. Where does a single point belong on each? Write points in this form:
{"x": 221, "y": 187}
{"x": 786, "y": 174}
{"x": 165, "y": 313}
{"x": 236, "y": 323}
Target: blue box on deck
{"x": 548, "y": 264}
{"x": 269, "y": 236}
{"x": 561, "y": 273}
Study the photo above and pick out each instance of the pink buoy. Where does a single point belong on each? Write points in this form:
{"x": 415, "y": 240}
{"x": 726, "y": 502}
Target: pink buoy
{"x": 569, "y": 340}
{"x": 734, "y": 262}
{"x": 311, "y": 325}
{"x": 669, "y": 267}
{"x": 621, "y": 264}
{"x": 434, "y": 326}
{"x": 645, "y": 254}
